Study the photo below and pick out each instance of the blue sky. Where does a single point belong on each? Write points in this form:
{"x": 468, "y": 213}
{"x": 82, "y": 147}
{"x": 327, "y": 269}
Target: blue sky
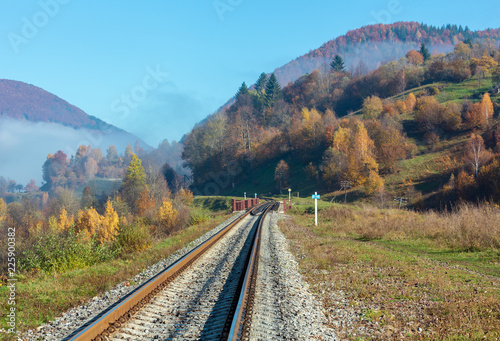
{"x": 157, "y": 67}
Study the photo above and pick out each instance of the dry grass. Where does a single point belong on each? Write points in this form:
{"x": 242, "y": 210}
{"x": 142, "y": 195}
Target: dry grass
{"x": 405, "y": 275}
{"x": 468, "y": 228}
{"x": 42, "y": 297}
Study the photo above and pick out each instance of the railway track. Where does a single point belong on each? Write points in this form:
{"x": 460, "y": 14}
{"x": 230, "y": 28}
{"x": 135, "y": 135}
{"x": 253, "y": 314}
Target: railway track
{"x": 207, "y": 294}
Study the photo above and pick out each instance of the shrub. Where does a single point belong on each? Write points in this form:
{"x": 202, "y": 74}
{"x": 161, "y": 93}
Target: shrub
{"x": 197, "y": 217}
{"x": 133, "y": 238}
{"x": 60, "y": 252}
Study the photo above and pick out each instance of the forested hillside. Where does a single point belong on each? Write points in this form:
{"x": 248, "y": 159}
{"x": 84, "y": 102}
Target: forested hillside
{"x": 334, "y": 127}
{"x": 369, "y": 47}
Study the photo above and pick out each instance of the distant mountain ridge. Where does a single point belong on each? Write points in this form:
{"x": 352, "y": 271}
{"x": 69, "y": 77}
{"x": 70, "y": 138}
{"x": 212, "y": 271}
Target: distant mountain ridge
{"x": 35, "y": 123}
{"x": 373, "y": 45}
{"x": 22, "y": 101}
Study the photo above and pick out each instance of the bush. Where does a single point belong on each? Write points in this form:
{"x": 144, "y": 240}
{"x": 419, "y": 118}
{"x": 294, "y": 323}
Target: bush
{"x": 60, "y": 252}
{"x": 433, "y": 91}
{"x": 133, "y": 238}
{"x": 197, "y": 217}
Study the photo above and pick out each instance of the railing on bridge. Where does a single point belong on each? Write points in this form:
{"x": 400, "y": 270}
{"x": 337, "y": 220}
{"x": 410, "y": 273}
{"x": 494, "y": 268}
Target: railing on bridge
{"x": 240, "y": 205}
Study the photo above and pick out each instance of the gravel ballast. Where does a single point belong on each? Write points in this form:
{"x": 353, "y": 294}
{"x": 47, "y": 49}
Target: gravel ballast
{"x": 75, "y": 317}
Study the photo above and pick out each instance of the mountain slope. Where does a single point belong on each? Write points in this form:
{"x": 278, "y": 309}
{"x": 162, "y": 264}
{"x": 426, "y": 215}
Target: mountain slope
{"x": 22, "y": 101}
{"x": 371, "y": 46}
{"x": 35, "y": 123}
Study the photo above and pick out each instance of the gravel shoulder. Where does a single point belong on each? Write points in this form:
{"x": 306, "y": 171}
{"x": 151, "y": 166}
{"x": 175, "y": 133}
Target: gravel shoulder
{"x": 284, "y": 308}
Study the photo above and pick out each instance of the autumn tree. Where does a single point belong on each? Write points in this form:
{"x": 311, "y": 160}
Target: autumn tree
{"x": 134, "y": 182}
{"x": 474, "y": 117}
{"x": 88, "y": 198}
{"x": 487, "y": 108}
{"x": 87, "y": 223}
{"x": 337, "y": 64}
{"x": 54, "y": 169}
{"x": 146, "y": 205}
{"x": 476, "y": 155}
{"x": 464, "y": 185}
{"x": 410, "y": 102}
{"x": 311, "y": 171}
{"x": 31, "y": 187}
{"x": 64, "y": 221}
{"x": 481, "y": 66}
{"x": 374, "y": 183}
{"x": 128, "y": 154}
{"x": 3, "y": 211}
{"x": 281, "y": 174}
{"x": 167, "y": 214}
{"x": 391, "y": 145}
{"x": 112, "y": 154}
{"x": 372, "y": 107}
{"x": 185, "y": 196}
{"x": 90, "y": 168}
{"x": 313, "y": 127}
{"x": 361, "y": 156}
{"x": 342, "y": 140}
{"x": 415, "y": 57}
{"x": 462, "y": 51}
{"x": 334, "y": 166}
{"x": 108, "y": 224}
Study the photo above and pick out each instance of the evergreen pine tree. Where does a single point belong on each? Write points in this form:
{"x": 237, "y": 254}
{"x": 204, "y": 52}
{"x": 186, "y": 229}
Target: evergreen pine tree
{"x": 273, "y": 91}
{"x": 337, "y": 64}
{"x": 424, "y": 51}
{"x": 261, "y": 83}
{"x": 243, "y": 90}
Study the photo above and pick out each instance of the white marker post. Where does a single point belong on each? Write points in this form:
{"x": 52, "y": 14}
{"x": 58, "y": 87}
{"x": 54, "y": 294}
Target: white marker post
{"x": 289, "y": 197}
{"x": 245, "y": 194}
{"x": 316, "y": 196}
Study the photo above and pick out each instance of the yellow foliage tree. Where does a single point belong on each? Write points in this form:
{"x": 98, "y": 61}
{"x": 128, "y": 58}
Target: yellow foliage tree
{"x": 487, "y": 108}
{"x": 185, "y": 196}
{"x": 167, "y": 213}
{"x": 3, "y": 210}
{"x": 342, "y": 140}
{"x": 88, "y": 222}
{"x": 373, "y": 183}
{"x": 372, "y": 107}
{"x": 108, "y": 228}
{"x": 401, "y": 107}
{"x": 306, "y": 114}
{"x": 64, "y": 221}
{"x": 410, "y": 102}
{"x": 362, "y": 156}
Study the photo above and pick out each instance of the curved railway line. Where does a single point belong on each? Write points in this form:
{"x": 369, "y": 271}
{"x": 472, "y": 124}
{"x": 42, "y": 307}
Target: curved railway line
{"x": 207, "y": 294}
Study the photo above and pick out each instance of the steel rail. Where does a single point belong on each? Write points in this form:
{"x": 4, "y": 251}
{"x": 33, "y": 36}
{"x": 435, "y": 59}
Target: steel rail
{"x": 243, "y": 311}
{"x": 111, "y": 318}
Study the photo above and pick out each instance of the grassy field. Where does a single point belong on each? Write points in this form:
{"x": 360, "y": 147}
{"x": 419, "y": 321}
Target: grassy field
{"x": 406, "y": 275}
{"x": 42, "y": 297}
